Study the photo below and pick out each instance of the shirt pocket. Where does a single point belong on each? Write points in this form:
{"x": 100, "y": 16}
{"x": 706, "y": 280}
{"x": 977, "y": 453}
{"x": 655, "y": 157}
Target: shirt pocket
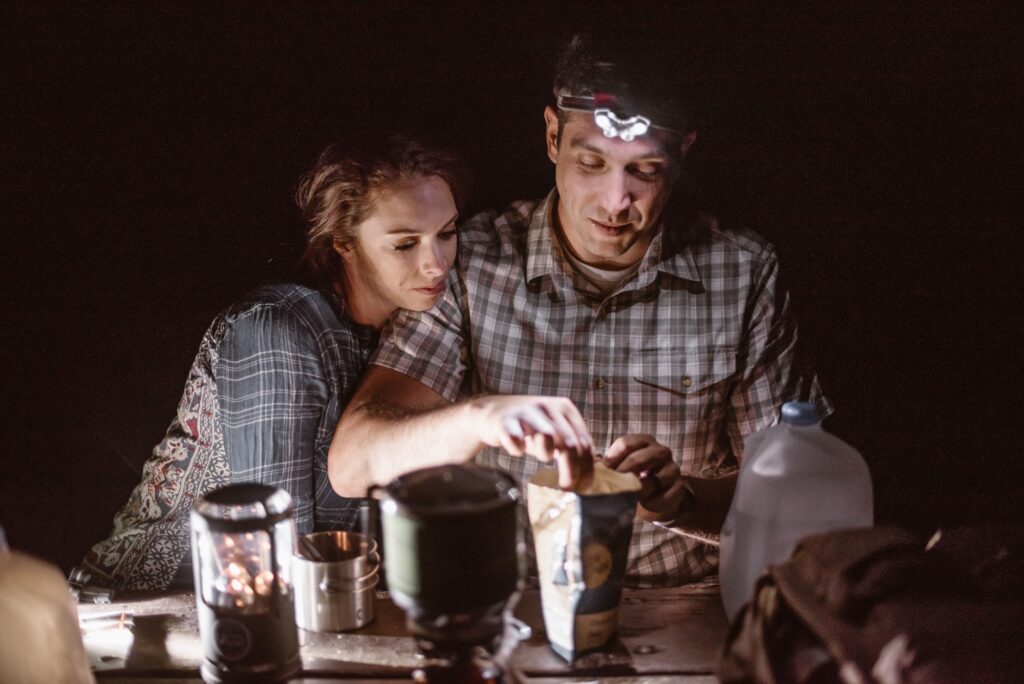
{"x": 683, "y": 385}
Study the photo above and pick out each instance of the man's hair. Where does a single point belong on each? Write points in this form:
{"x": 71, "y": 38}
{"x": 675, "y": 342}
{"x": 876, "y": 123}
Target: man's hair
{"x": 343, "y": 189}
{"x": 645, "y": 75}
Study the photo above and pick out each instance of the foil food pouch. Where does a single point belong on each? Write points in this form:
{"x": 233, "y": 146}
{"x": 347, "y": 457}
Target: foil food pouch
{"x": 582, "y": 543}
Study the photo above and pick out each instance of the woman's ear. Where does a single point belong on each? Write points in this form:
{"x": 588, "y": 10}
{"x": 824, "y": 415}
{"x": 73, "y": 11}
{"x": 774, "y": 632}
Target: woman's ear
{"x": 343, "y": 249}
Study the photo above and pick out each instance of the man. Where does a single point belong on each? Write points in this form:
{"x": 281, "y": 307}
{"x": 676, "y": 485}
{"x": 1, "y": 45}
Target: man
{"x": 603, "y": 320}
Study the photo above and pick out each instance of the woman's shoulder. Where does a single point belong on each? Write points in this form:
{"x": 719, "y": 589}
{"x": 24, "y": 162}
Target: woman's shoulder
{"x": 283, "y": 300}
{"x": 279, "y": 310}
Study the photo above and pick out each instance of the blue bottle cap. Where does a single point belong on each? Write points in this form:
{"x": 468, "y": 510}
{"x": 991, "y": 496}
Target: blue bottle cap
{"x": 800, "y": 413}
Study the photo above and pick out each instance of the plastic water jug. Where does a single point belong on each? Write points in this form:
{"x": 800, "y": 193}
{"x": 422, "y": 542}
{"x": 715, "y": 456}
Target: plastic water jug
{"x": 795, "y": 480}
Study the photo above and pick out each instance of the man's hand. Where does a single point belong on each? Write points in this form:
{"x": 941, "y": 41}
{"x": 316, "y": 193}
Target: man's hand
{"x": 547, "y": 428}
{"x": 663, "y": 488}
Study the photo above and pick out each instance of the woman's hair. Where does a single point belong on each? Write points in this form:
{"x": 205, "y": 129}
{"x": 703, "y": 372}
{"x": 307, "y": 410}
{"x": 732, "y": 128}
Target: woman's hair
{"x": 342, "y": 190}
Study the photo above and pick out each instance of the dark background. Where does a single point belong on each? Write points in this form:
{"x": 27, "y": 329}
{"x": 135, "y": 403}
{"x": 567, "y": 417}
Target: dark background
{"x": 150, "y": 151}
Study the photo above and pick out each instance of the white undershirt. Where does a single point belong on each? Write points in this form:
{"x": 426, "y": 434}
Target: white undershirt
{"x": 604, "y": 280}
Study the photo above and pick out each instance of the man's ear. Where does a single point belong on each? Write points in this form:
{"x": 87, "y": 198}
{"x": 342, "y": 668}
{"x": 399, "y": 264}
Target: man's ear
{"x": 551, "y": 132}
{"x": 687, "y": 143}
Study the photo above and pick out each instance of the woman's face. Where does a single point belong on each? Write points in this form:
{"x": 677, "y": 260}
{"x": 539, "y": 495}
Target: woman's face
{"x": 403, "y": 251}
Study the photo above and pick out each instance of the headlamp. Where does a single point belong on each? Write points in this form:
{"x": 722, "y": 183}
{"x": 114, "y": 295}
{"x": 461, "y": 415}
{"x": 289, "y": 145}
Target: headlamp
{"x": 608, "y": 115}
{"x": 614, "y": 127}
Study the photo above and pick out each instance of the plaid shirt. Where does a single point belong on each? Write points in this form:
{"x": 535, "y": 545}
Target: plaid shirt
{"x": 697, "y": 349}
{"x": 261, "y": 403}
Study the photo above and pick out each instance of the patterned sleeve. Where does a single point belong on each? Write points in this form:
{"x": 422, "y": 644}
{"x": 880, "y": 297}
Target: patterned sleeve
{"x": 250, "y": 412}
{"x": 429, "y": 346}
{"x": 272, "y": 391}
{"x": 771, "y": 372}
{"x": 149, "y": 547}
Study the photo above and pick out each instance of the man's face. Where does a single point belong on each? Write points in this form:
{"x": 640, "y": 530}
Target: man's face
{"x": 610, "y": 192}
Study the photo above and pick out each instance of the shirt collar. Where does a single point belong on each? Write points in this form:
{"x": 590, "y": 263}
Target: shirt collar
{"x": 541, "y": 244}
{"x": 543, "y": 256}
{"x": 365, "y": 333}
{"x": 678, "y": 263}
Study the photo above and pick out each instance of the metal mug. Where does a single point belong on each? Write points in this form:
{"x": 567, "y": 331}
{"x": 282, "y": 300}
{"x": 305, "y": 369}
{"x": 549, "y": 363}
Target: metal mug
{"x": 336, "y": 591}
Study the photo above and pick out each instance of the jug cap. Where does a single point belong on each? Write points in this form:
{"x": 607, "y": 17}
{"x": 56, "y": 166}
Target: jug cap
{"x": 800, "y": 413}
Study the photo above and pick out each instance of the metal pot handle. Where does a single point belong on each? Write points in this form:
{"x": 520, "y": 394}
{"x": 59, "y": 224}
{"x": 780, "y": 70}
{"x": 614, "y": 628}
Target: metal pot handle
{"x": 327, "y": 586}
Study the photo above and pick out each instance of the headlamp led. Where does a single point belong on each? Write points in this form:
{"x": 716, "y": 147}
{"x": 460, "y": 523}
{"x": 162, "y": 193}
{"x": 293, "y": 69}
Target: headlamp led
{"x": 604, "y": 107}
{"x": 627, "y": 129}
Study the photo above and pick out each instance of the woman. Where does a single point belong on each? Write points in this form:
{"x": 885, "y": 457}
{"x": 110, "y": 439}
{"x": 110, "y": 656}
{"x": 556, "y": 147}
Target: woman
{"x": 275, "y": 370}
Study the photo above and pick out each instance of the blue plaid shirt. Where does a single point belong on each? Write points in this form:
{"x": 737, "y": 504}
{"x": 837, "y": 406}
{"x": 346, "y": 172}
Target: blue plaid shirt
{"x": 261, "y": 403}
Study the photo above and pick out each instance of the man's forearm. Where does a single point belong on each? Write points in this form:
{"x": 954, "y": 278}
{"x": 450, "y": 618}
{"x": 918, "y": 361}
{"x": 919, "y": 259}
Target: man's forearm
{"x": 395, "y": 424}
{"x": 378, "y": 441}
{"x": 704, "y": 513}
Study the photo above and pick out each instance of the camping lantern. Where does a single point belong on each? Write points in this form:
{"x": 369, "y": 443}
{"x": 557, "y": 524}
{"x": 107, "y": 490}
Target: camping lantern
{"x": 243, "y": 537}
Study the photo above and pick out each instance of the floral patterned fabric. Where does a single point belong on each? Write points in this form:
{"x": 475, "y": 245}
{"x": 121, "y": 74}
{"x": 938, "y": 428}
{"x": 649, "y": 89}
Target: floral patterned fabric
{"x": 261, "y": 404}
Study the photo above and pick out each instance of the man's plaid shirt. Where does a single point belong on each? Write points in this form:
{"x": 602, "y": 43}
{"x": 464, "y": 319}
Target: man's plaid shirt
{"x": 697, "y": 349}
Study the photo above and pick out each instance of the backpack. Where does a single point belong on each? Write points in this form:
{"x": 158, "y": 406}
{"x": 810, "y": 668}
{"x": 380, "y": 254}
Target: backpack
{"x": 884, "y": 605}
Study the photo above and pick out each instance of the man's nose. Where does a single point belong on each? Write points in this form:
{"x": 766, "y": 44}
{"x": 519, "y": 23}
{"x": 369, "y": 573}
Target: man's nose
{"x": 615, "y": 195}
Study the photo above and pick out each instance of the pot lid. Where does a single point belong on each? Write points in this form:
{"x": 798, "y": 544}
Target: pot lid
{"x": 453, "y": 490}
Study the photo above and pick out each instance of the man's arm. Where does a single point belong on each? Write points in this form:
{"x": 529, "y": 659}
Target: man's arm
{"x": 704, "y": 508}
{"x": 395, "y": 424}
{"x": 686, "y": 504}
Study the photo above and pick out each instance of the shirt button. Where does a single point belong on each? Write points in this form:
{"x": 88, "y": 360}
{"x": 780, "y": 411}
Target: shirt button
{"x": 687, "y": 381}
{"x": 600, "y": 383}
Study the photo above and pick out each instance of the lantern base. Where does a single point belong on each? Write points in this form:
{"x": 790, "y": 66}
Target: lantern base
{"x": 216, "y": 673}
{"x": 263, "y": 647}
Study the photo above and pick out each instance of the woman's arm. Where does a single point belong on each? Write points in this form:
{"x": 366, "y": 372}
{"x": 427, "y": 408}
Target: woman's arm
{"x": 148, "y": 549}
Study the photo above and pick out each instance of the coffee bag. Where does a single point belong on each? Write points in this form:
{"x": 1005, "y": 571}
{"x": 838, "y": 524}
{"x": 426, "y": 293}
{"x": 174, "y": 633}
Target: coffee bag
{"x": 582, "y": 542}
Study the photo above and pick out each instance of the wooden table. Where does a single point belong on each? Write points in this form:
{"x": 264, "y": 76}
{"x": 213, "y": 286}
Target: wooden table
{"x": 665, "y": 635}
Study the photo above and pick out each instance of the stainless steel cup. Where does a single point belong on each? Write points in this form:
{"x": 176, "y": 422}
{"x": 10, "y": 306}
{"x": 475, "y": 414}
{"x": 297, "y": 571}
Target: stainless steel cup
{"x": 335, "y": 591}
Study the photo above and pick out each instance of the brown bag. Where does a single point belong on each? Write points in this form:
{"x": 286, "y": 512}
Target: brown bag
{"x": 883, "y": 605}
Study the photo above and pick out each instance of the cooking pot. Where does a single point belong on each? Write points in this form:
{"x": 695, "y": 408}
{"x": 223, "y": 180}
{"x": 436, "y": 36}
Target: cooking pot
{"x": 451, "y": 541}
{"x": 335, "y": 575}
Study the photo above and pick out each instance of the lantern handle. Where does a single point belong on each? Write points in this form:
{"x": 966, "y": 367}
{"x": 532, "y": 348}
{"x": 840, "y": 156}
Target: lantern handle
{"x": 370, "y": 515}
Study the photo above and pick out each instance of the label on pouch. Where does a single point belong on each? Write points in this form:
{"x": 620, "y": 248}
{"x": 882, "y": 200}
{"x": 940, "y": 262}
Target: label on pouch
{"x": 597, "y": 565}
